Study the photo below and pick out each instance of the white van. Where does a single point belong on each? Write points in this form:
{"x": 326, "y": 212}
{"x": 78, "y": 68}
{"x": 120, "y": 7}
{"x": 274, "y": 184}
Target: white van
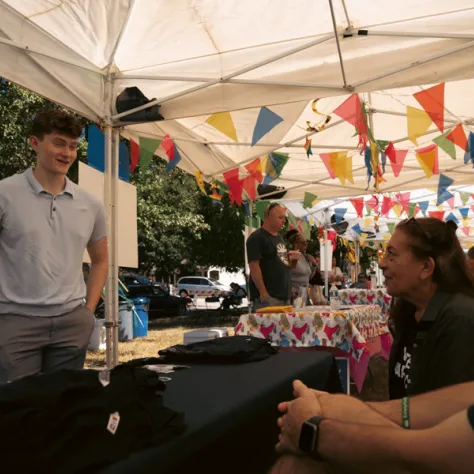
{"x": 201, "y": 286}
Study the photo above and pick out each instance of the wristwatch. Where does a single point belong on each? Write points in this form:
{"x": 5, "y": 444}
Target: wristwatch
{"x": 309, "y": 437}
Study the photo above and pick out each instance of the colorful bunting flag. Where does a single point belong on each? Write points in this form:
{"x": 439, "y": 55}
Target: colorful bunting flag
{"x": 387, "y": 205}
{"x": 437, "y": 214}
{"x": 458, "y": 136}
{"x": 432, "y": 101}
{"x": 124, "y": 162}
{"x": 404, "y": 200}
{"x": 250, "y": 187}
{"x": 413, "y": 210}
{"x": 357, "y": 229}
{"x": 200, "y": 181}
{"x": 325, "y": 157}
{"x": 217, "y": 194}
{"x": 443, "y": 185}
{"x": 466, "y": 231}
{"x": 358, "y": 204}
{"x": 464, "y": 197}
{"x": 452, "y": 217}
{"x": 134, "y": 155}
{"x": 418, "y": 123}
{"x": 368, "y": 221}
{"x": 260, "y": 208}
{"x": 424, "y": 206}
{"x": 339, "y": 165}
{"x": 368, "y": 209}
{"x": 309, "y": 200}
{"x": 397, "y": 209}
{"x": 363, "y": 238}
{"x": 173, "y": 161}
{"x": 266, "y": 121}
{"x": 373, "y": 203}
{"x": 339, "y": 214}
{"x": 148, "y": 148}
{"x": 307, "y": 147}
{"x": 235, "y": 184}
{"x": 451, "y": 202}
{"x": 464, "y": 212}
{"x": 168, "y": 145}
{"x": 255, "y": 170}
{"x": 396, "y": 157}
{"x": 428, "y": 159}
{"x": 351, "y": 111}
{"x": 224, "y": 123}
{"x": 469, "y": 155}
{"x": 273, "y": 165}
{"x": 391, "y": 227}
{"x": 446, "y": 145}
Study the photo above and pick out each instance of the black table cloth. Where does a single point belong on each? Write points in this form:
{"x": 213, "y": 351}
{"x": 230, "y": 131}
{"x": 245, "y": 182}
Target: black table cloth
{"x": 231, "y": 413}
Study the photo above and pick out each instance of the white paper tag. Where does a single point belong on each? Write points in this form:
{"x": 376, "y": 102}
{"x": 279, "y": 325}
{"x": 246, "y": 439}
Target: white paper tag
{"x": 114, "y": 420}
{"x": 104, "y": 377}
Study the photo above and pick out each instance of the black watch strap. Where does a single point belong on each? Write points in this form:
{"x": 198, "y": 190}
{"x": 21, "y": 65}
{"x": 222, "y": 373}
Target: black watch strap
{"x": 306, "y": 443}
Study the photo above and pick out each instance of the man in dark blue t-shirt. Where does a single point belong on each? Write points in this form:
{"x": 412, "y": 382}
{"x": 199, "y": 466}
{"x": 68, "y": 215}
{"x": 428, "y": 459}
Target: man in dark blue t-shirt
{"x": 270, "y": 281}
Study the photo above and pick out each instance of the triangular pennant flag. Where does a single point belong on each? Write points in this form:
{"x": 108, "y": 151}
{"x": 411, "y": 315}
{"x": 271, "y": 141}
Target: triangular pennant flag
{"x": 250, "y": 187}
{"x": 342, "y": 166}
{"x": 437, "y": 214}
{"x": 391, "y": 227}
{"x": 168, "y": 145}
{"x": 307, "y": 147}
{"x": 235, "y": 184}
{"x": 174, "y": 161}
{"x": 466, "y": 231}
{"x": 424, "y": 206}
{"x": 217, "y": 194}
{"x": 387, "y": 205}
{"x": 255, "y": 170}
{"x": 200, "y": 181}
{"x": 273, "y": 165}
{"x": 224, "y": 123}
{"x": 404, "y": 200}
{"x": 124, "y": 162}
{"x": 373, "y": 202}
{"x": 134, "y": 155}
{"x": 464, "y": 212}
{"x": 458, "y": 136}
{"x": 469, "y": 155}
{"x": 443, "y": 185}
{"x": 357, "y": 229}
{"x": 358, "y": 204}
{"x": 368, "y": 209}
{"x": 327, "y": 162}
{"x": 428, "y": 159}
{"x": 266, "y": 121}
{"x": 432, "y": 101}
{"x": 418, "y": 122}
{"x": 452, "y": 217}
{"x": 397, "y": 209}
{"x": 368, "y": 221}
{"x": 260, "y": 207}
{"x": 464, "y": 197}
{"x": 351, "y": 111}
{"x": 413, "y": 210}
{"x": 309, "y": 200}
{"x": 446, "y": 145}
{"x": 451, "y": 202}
{"x": 148, "y": 148}
{"x": 396, "y": 157}
{"x": 339, "y": 214}
{"x": 363, "y": 238}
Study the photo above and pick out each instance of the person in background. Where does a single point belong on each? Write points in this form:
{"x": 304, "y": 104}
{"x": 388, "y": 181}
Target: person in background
{"x": 235, "y": 299}
{"x": 306, "y": 265}
{"x": 425, "y": 271}
{"x": 350, "y": 436}
{"x": 316, "y": 283}
{"x": 470, "y": 261}
{"x": 361, "y": 283}
{"x": 270, "y": 280}
{"x": 46, "y": 223}
{"x": 335, "y": 275}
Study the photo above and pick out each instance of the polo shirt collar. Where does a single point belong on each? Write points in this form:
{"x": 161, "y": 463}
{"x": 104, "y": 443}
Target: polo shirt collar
{"x": 435, "y": 306}
{"x": 37, "y": 188}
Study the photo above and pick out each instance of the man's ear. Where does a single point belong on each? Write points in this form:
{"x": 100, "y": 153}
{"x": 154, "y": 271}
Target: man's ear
{"x": 34, "y": 142}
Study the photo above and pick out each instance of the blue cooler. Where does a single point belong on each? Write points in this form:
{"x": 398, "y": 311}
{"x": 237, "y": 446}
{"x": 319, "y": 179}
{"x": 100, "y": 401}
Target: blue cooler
{"x": 140, "y": 317}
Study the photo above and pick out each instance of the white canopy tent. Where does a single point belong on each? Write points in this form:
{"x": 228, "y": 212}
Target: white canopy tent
{"x": 199, "y": 57}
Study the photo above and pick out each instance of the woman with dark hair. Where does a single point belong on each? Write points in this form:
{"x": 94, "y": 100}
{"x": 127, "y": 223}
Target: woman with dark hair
{"x": 425, "y": 271}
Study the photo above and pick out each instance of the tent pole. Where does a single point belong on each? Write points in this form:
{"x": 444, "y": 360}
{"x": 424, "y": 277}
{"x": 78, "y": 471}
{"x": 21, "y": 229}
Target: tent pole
{"x": 403, "y": 114}
{"x": 413, "y": 34}
{"x": 336, "y": 36}
{"x": 357, "y": 259}
{"x": 326, "y": 261}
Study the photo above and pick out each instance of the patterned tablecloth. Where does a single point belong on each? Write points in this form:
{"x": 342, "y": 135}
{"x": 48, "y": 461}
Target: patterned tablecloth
{"x": 347, "y": 329}
{"x": 366, "y": 297}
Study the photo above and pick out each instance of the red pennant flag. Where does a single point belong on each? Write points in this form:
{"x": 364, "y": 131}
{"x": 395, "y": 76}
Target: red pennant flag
{"x": 249, "y": 185}
{"x": 235, "y": 184}
{"x": 255, "y": 170}
{"x": 373, "y": 202}
{"x": 351, "y": 111}
{"x": 168, "y": 146}
{"x": 466, "y": 231}
{"x": 358, "y": 204}
{"x": 387, "y": 205}
{"x": 327, "y": 163}
{"x": 458, "y": 137}
{"x": 134, "y": 155}
{"x": 432, "y": 100}
{"x": 404, "y": 200}
{"x": 396, "y": 157}
{"x": 437, "y": 214}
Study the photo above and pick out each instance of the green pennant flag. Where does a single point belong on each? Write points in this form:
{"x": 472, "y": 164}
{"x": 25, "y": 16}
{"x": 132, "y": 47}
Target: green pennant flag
{"x": 309, "y": 199}
{"x": 382, "y": 144}
{"x": 411, "y": 210}
{"x": 464, "y": 197}
{"x": 368, "y": 209}
{"x": 260, "y": 207}
{"x": 292, "y": 220}
{"x": 148, "y": 148}
{"x": 222, "y": 186}
{"x": 306, "y": 230}
{"x": 446, "y": 145}
{"x": 391, "y": 227}
{"x": 251, "y": 222}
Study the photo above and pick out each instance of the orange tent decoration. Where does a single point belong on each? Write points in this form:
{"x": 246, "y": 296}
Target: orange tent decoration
{"x": 432, "y": 101}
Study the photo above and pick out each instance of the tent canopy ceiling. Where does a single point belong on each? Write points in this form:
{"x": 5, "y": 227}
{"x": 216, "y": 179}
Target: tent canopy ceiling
{"x": 199, "y": 57}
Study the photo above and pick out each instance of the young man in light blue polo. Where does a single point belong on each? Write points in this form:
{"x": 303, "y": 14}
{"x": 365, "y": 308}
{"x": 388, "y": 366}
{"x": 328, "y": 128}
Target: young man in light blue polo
{"x": 46, "y": 223}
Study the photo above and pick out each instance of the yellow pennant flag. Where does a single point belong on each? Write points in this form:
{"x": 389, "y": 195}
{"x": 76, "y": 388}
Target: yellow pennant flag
{"x": 418, "y": 122}
{"x": 363, "y": 238}
{"x": 224, "y": 123}
{"x": 397, "y": 209}
{"x": 386, "y": 237}
{"x": 200, "y": 181}
{"x": 368, "y": 221}
{"x": 342, "y": 166}
{"x": 465, "y": 221}
{"x": 428, "y": 162}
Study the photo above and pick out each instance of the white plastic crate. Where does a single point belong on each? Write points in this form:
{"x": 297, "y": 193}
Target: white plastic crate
{"x": 199, "y": 335}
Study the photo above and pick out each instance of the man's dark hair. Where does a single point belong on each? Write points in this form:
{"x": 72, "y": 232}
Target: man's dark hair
{"x": 54, "y": 120}
{"x": 470, "y": 253}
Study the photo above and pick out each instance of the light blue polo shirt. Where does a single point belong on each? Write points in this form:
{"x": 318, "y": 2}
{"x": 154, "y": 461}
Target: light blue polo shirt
{"x": 42, "y": 243}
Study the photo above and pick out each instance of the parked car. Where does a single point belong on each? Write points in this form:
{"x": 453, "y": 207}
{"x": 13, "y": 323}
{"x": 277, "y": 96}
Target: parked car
{"x": 191, "y": 286}
{"x": 134, "y": 280}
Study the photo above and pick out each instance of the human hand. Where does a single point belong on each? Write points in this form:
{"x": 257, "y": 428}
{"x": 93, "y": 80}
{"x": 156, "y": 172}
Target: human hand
{"x": 312, "y": 259}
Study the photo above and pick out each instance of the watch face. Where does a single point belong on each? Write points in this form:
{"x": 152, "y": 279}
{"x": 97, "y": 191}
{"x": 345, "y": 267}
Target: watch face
{"x": 308, "y": 437}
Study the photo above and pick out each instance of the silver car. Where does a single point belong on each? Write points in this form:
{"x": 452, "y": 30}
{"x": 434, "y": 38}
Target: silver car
{"x": 192, "y": 286}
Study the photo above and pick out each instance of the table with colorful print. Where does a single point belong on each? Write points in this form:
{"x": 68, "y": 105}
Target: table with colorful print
{"x": 358, "y": 331}
{"x": 366, "y": 297}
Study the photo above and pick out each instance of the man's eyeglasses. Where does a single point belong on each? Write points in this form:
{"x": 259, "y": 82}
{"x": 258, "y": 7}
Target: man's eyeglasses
{"x": 427, "y": 235}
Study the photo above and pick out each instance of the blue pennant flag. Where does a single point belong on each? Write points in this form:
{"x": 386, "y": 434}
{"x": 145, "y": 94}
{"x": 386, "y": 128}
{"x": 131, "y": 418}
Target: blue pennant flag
{"x": 443, "y": 185}
{"x": 172, "y": 163}
{"x": 95, "y": 148}
{"x": 464, "y": 211}
{"x": 424, "y": 206}
{"x": 247, "y": 208}
{"x": 124, "y": 162}
{"x": 357, "y": 229}
{"x": 384, "y": 161}
{"x": 452, "y": 217}
{"x": 339, "y": 213}
{"x": 368, "y": 164}
{"x": 266, "y": 121}
{"x": 469, "y": 155}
